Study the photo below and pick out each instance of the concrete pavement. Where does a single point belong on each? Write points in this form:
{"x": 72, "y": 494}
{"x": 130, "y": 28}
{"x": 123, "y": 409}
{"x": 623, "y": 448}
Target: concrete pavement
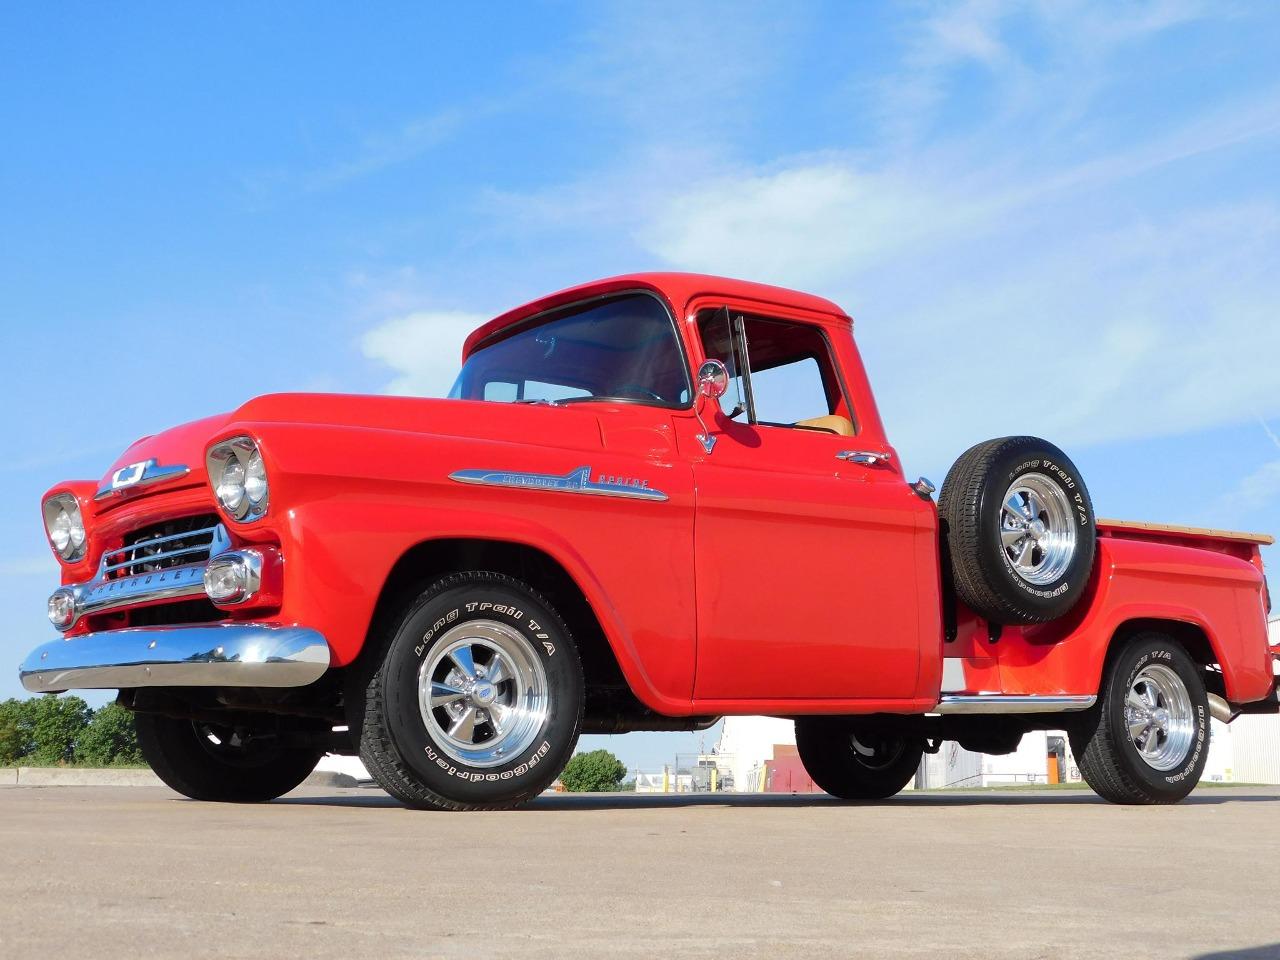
{"x": 138, "y": 872}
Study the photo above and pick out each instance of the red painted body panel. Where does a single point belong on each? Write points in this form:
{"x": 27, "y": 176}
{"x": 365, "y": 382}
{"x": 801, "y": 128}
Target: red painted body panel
{"x": 767, "y": 552}
{"x": 1133, "y": 580}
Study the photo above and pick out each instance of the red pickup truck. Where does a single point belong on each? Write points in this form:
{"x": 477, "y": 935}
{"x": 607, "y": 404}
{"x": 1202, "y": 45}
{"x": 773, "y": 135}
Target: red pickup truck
{"x": 648, "y": 502}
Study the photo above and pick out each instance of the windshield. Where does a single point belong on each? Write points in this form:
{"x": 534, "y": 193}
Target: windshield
{"x": 624, "y": 348}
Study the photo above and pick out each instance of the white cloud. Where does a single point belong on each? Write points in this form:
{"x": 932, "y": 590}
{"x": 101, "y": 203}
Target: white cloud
{"x": 1259, "y": 490}
{"x": 423, "y": 348}
{"x": 1018, "y": 275}
{"x": 992, "y": 312}
{"x": 802, "y": 225}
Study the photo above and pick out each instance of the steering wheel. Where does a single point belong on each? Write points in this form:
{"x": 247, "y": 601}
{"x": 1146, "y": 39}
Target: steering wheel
{"x": 632, "y": 388}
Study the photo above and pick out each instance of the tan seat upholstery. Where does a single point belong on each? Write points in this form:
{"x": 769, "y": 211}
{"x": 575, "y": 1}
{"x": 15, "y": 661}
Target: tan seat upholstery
{"x": 835, "y": 424}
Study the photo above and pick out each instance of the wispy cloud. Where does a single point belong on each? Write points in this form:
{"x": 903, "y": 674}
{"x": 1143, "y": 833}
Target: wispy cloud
{"x": 1257, "y": 490}
{"x": 380, "y": 150}
{"x": 1018, "y": 273}
{"x": 1073, "y": 41}
{"x": 423, "y": 348}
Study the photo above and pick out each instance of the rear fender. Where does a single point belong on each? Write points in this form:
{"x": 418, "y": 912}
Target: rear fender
{"x": 1219, "y": 595}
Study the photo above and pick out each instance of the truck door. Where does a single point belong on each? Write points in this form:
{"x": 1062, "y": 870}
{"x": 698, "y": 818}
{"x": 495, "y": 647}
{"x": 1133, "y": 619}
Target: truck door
{"x": 807, "y": 560}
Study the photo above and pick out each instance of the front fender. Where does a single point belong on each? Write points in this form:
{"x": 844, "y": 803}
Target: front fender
{"x": 346, "y": 549}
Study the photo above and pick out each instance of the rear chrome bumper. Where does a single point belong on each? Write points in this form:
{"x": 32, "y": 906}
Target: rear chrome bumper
{"x": 205, "y": 655}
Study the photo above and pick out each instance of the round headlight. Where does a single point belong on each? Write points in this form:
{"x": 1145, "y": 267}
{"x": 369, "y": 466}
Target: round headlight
{"x": 255, "y": 480}
{"x": 239, "y": 478}
{"x": 60, "y": 531}
{"x": 231, "y": 486}
{"x": 62, "y": 608}
{"x": 65, "y": 526}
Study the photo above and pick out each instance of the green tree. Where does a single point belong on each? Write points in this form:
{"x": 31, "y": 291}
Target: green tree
{"x": 597, "y": 771}
{"x": 56, "y": 724}
{"x": 109, "y": 738}
{"x": 15, "y": 731}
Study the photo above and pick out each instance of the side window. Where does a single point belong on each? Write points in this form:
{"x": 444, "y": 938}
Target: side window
{"x": 790, "y": 392}
{"x": 720, "y": 341}
{"x": 782, "y": 372}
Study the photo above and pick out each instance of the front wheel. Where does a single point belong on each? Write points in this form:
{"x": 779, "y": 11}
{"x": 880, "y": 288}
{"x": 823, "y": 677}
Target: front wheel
{"x": 1147, "y": 740}
{"x": 207, "y": 761}
{"x": 853, "y": 762}
{"x": 476, "y": 700}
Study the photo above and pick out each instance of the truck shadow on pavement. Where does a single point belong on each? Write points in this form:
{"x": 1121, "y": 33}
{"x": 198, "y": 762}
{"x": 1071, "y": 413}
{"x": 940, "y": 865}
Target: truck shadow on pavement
{"x": 372, "y": 797}
{"x": 1268, "y": 952}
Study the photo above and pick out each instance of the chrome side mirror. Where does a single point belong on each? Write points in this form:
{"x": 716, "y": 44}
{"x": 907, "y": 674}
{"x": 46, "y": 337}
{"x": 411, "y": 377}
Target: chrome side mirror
{"x": 713, "y": 383}
{"x": 713, "y": 379}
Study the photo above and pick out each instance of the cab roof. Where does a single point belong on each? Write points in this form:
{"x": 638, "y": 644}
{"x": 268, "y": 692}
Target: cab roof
{"x": 678, "y": 288}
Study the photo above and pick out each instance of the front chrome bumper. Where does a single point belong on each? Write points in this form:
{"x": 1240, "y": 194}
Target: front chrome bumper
{"x": 205, "y": 655}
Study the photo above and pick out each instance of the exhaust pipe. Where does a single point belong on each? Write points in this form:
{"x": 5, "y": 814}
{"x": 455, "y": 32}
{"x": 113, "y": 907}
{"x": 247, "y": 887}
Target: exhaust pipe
{"x": 1219, "y": 709}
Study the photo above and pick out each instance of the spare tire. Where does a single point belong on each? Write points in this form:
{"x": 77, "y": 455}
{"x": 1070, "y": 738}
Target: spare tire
{"x": 1019, "y": 530}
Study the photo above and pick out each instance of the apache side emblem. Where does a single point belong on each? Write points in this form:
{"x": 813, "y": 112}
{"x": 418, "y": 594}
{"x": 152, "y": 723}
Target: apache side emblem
{"x": 578, "y": 481}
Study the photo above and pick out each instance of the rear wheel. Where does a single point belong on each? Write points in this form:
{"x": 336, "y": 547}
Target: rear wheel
{"x": 853, "y": 762}
{"x": 206, "y": 761}
{"x": 476, "y": 700}
{"x": 1147, "y": 740}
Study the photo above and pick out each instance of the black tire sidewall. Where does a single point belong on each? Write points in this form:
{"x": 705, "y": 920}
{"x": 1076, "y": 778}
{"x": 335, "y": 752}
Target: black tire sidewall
{"x": 1051, "y": 600}
{"x": 1167, "y": 783}
{"x": 175, "y": 753}
{"x": 827, "y": 752}
{"x": 526, "y": 773}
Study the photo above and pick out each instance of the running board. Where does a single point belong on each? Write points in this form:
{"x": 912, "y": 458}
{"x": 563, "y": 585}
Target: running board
{"x": 1012, "y": 703}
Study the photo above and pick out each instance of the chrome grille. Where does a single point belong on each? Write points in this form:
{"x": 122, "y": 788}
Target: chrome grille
{"x": 174, "y": 543}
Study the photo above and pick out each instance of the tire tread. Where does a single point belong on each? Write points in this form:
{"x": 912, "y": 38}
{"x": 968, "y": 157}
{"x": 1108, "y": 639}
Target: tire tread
{"x": 1099, "y": 761}
{"x": 378, "y": 751}
{"x": 959, "y": 506}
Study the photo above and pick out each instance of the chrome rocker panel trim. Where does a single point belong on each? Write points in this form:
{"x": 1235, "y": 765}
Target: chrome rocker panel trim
{"x": 1013, "y": 703}
{"x": 205, "y": 655}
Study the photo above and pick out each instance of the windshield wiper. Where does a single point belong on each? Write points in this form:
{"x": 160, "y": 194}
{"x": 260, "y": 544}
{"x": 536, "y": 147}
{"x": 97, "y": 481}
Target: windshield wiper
{"x": 603, "y": 396}
{"x": 565, "y": 401}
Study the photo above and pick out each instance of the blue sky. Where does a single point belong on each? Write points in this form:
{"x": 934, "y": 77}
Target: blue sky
{"x": 1059, "y": 218}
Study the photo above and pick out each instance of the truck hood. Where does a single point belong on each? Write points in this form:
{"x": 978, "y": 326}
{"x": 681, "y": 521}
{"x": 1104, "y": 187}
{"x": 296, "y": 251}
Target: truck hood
{"x": 573, "y": 427}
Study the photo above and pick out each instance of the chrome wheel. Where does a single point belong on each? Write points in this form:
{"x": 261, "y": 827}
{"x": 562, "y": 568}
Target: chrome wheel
{"x": 1159, "y": 716}
{"x": 1037, "y": 529}
{"x": 483, "y": 693}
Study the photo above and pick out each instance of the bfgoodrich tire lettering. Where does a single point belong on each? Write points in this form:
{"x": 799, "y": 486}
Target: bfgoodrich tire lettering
{"x": 405, "y": 740}
{"x": 1110, "y": 758}
{"x": 1020, "y": 530}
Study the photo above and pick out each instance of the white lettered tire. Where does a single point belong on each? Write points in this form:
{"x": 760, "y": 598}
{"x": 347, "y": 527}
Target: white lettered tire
{"x": 1147, "y": 739}
{"x": 477, "y": 701}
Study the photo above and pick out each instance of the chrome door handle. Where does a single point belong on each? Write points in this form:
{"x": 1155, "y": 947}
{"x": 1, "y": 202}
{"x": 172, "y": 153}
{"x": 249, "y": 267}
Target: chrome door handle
{"x": 868, "y": 458}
